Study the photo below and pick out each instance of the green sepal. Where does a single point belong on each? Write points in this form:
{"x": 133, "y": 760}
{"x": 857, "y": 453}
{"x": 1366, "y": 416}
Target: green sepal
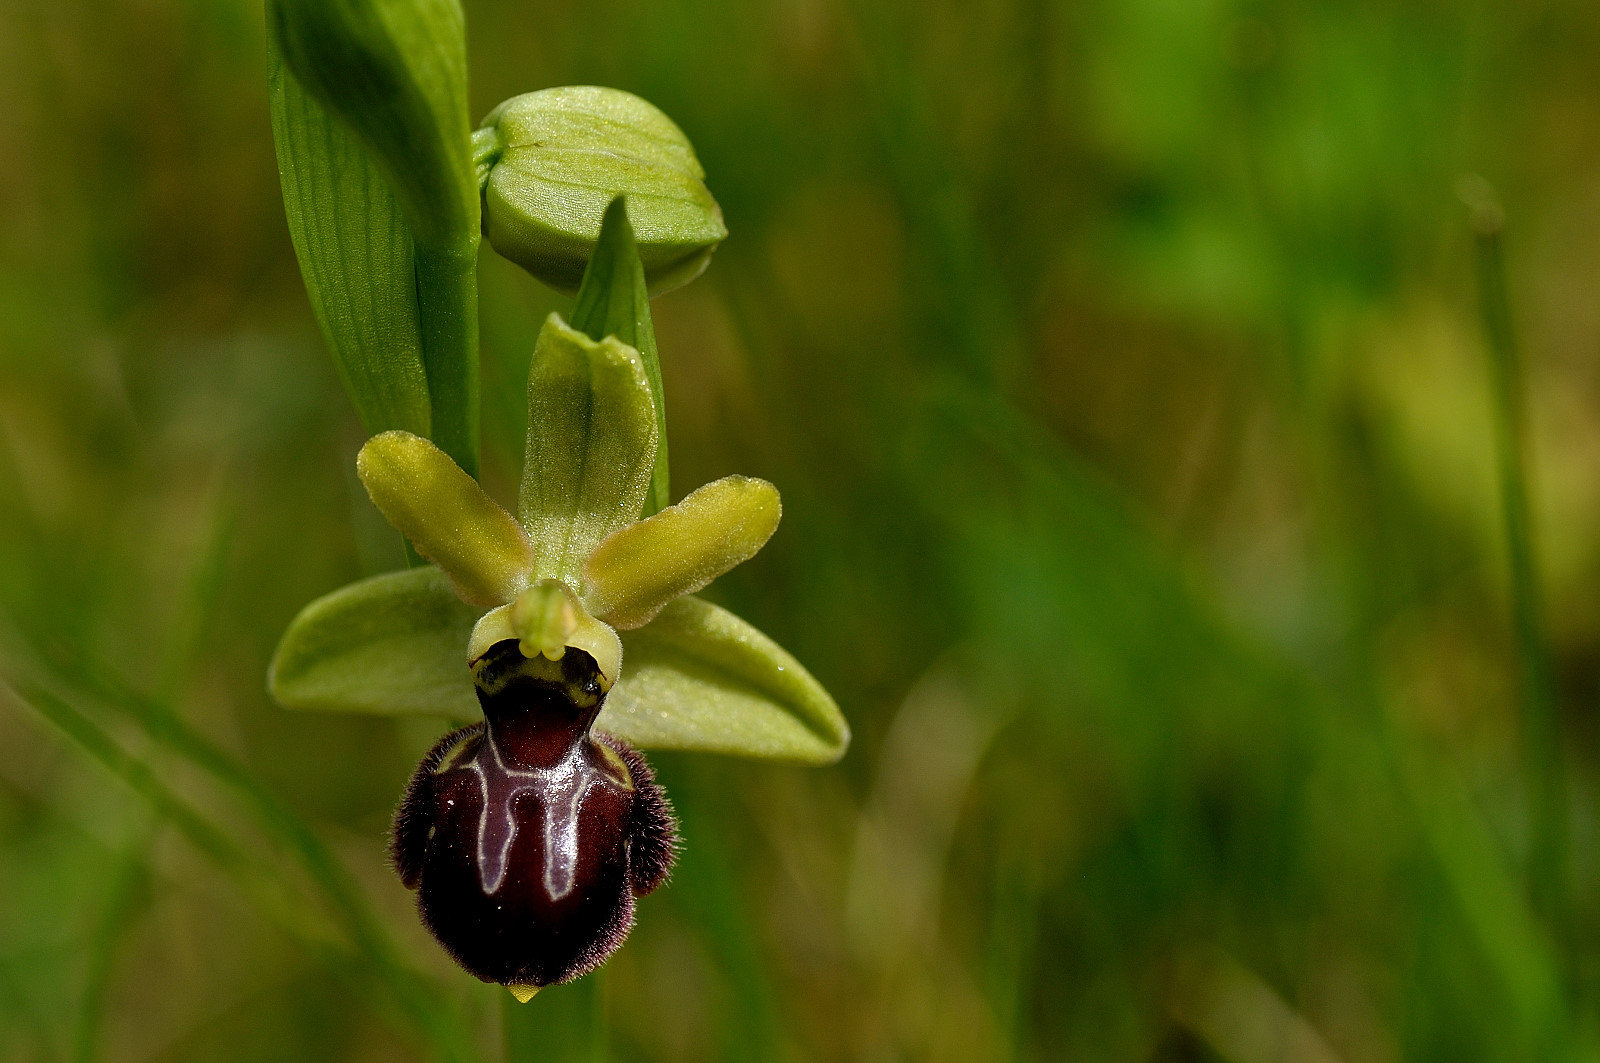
{"x": 696, "y": 678}
{"x": 396, "y": 72}
{"x": 614, "y": 301}
{"x": 699, "y": 678}
{"x": 449, "y": 519}
{"x": 356, "y": 256}
{"x": 394, "y": 644}
{"x": 591, "y": 446}
{"x": 638, "y": 569}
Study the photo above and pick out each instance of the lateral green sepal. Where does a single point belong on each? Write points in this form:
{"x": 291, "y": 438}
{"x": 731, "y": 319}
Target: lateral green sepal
{"x": 394, "y": 644}
{"x": 699, "y": 678}
{"x": 696, "y": 678}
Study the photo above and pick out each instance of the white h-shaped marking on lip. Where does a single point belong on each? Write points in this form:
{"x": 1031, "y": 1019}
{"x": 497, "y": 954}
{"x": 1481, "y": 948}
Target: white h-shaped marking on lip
{"x": 561, "y": 789}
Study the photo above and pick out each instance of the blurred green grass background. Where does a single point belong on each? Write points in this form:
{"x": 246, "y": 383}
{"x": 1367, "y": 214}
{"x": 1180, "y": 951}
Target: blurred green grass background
{"x": 1121, "y": 365}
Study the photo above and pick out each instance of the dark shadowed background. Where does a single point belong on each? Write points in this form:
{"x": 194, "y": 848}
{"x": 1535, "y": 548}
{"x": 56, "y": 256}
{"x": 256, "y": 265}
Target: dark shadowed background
{"x": 1122, "y": 368}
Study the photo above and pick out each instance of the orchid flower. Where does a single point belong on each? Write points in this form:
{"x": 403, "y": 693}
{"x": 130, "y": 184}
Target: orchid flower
{"x": 574, "y": 629}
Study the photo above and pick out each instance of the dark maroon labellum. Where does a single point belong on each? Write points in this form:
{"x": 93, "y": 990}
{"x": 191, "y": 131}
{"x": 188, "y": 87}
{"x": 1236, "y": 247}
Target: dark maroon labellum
{"x": 526, "y": 836}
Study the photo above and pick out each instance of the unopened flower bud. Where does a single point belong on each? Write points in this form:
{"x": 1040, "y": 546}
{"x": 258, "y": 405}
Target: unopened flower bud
{"x": 550, "y": 162}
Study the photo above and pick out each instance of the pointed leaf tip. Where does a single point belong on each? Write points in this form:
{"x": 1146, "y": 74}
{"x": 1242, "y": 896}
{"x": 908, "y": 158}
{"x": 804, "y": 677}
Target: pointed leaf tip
{"x": 614, "y": 301}
{"x": 356, "y": 255}
{"x": 395, "y": 73}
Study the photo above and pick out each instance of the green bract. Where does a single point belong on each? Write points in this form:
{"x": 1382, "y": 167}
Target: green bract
{"x": 614, "y": 300}
{"x": 550, "y": 162}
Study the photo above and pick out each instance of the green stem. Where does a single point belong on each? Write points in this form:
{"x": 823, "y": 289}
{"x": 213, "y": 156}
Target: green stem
{"x": 1542, "y": 754}
{"x": 562, "y": 1024}
{"x": 447, "y": 299}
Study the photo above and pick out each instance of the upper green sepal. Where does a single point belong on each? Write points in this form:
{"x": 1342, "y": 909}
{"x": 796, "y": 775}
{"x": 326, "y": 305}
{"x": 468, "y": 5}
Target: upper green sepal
{"x": 591, "y": 446}
{"x": 553, "y": 160}
{"x": 696, "y": 678}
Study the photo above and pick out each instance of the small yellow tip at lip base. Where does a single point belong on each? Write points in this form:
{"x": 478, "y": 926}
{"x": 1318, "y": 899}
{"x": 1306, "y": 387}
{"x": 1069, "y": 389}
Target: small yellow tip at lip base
{"x": 523, "y": 993}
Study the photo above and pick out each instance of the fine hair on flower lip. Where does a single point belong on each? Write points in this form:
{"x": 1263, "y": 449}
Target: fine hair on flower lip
{"x": 527, "y": 837}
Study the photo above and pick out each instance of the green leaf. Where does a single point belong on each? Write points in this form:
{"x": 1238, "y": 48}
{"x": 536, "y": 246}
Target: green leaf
{"x": 447, "y": 516}
{"x": 638, "y": 569}
{"x": 356, "y": 256}
{"x": 395, "y": 71}
{"x": 614, "y": 301}
{"x": 391, "y": 76}
{"x": 697, "y": 677}
{"x": 393, "y": 644}
{"x": 591, "y": 446}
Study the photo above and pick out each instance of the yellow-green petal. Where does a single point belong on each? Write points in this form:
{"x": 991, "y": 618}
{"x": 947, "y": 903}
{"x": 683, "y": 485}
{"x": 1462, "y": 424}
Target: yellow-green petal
{"x": 447, "y": 516}
{"x": 591, "y": 446}
{"x": 638, "y": 569}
